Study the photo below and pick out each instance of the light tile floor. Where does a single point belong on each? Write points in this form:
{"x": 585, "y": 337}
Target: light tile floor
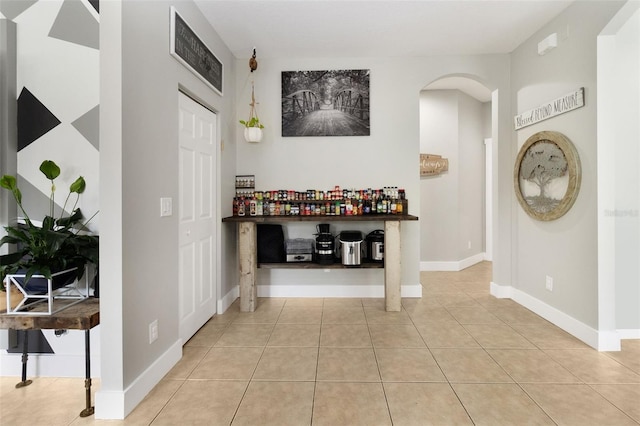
{"x": 456, "y": 356}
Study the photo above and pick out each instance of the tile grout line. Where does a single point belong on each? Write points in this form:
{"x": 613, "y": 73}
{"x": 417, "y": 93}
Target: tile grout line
{"x": 440, "y": 367}
{"x": 264, "y": 348}
{"x": 315, "y": 382}
{"x": 375, "y": 356}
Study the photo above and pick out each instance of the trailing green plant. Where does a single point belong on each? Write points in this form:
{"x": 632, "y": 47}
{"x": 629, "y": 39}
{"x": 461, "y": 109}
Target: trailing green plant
{"x": 252, "y": 122}
{"x": 57, "y": 244}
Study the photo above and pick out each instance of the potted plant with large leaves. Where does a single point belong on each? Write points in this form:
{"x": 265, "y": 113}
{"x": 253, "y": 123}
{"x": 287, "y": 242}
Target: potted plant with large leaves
{"x": 57, "y": 244}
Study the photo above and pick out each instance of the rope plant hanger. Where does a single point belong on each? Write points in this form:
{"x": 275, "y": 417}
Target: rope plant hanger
{"x": 253, "y": 127}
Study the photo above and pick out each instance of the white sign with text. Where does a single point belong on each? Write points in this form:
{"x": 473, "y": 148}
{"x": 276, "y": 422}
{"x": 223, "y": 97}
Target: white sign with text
{"x": 558, "y": 106}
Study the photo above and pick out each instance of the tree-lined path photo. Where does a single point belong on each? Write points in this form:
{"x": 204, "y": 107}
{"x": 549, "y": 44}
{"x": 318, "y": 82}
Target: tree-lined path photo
{"x": 325, "y": 103}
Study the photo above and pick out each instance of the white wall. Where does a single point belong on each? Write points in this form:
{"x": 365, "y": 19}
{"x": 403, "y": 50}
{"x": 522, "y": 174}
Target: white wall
{"x": 44, "y": 58}
{"x": 452, "y": 211}
{"x": 618, "y": 178}
{"x": 627, "y": 177}
{"x": 566, "y": 248}
{"x": 8, "y": 119}
{"x": 486, "y": 119}
{"x": 439, "y": 134}
{"x": 471, "y": 170}
{"x": 390, "y": 156}
{"x": 8, "y": 131}
{"x": 139, "y": 144}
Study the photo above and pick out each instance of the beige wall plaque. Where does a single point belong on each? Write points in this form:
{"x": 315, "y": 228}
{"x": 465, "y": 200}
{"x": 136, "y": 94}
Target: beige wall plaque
{"x": 431, "y": 164}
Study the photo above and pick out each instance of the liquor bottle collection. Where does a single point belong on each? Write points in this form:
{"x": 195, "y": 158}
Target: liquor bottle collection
{"x": 335, "y": 202}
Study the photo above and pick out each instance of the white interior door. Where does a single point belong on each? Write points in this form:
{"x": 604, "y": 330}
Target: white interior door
{"x": 197, "y": 216}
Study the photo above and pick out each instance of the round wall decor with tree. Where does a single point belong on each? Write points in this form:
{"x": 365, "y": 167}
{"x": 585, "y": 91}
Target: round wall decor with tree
{"x": 547, "y": 175}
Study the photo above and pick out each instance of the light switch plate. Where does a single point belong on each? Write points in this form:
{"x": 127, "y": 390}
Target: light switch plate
{"x": 166, "y": 207}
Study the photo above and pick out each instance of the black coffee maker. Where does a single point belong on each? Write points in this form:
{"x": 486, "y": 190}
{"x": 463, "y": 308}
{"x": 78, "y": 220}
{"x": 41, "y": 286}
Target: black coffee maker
{"x": 325, "y": 243}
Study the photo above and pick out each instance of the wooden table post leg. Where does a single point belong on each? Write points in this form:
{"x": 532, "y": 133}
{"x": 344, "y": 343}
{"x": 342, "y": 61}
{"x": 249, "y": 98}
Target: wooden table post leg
{"x": 247, "y": 240}
{"x": 87, "y": 381}
{"x": 392, "y": 266}
{"x": 25, "y": 358}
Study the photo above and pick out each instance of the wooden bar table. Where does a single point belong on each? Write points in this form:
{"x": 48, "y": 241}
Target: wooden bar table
{"x": 248, "y": 264}
{"x": 79, "y": 316}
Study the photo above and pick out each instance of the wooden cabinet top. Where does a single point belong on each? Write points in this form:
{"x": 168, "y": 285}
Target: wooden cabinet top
{"x": 321, "y": 218}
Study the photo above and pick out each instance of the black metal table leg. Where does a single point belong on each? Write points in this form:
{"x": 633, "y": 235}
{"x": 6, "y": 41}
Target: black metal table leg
{"x": 88, "y": 411}
{"x": 25, "y": 357}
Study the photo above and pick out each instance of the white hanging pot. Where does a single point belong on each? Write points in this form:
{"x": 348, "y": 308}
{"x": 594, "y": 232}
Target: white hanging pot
{"x": 253, "y": 134}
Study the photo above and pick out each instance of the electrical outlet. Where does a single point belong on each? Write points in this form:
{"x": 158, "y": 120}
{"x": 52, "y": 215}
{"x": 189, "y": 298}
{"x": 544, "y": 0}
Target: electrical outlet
{"x": 469, "y": 244}
{"x": 549, "y": 283}
{"x": 153, "y": 331}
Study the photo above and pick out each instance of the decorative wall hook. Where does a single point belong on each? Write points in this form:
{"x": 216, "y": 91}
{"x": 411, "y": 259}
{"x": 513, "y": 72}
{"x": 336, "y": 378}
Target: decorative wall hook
{"x": 253, "y": 63}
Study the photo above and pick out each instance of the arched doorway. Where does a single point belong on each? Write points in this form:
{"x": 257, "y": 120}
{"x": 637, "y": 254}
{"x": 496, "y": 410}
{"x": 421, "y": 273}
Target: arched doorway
{"x": 456, "y": 122}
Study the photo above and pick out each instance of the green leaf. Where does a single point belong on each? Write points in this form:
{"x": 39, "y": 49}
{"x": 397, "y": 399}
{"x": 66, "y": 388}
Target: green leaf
{"x": 11, "y": 258}
{"x": 48, "y": 222}
{"x": 38, "y": 270}
{"x": 253, "y": 122}
{"x": 50, "y": 169}
{"x": 17, "y": 195}
{"x": 68, "y": 222}
{"x": 9, "y": 182}
{"x": 78, "y": 186}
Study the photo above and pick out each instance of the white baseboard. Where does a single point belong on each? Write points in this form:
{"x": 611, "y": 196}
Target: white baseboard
{"x": 411, "y": 290}
{"x": 600, "y": 340}
{"x": 228, "y": 299}
{"x": 629, "y": 333}
{"x": 453, "y": 266}
{"x": 48, "y": 365}
{"x": 607, "y": 340}
{"x": 117, "y": 404}
{"x": 361, "y": 291}
{"x": 500, "y": 291}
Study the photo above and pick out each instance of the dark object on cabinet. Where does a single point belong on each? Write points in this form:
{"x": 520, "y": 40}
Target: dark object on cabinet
{"x": 270, "y": 243}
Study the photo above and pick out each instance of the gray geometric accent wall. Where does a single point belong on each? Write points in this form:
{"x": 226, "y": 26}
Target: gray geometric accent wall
{"x": 89, "y": 126}
{"x": 75, "y": 24}
{"x": 58, "y": 102}
{"x": 11, "y": 9}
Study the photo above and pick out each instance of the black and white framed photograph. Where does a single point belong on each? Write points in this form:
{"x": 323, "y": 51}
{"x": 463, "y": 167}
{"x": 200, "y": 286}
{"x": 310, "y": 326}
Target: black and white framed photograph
{"x": 190, "y": 51}
{"x": 325, "y": 103}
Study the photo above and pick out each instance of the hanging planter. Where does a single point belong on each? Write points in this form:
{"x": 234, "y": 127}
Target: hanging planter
{"x": 253, "y": 127}
{"x": 253, "y": 134}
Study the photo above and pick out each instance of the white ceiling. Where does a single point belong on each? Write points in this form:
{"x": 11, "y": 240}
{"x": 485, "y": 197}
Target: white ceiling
{"x": 376, "y": 28}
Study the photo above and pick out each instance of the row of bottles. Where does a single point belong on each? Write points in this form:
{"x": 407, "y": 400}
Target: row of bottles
{"x": 318, "y": 195}
{"x": 388, "y": 200}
